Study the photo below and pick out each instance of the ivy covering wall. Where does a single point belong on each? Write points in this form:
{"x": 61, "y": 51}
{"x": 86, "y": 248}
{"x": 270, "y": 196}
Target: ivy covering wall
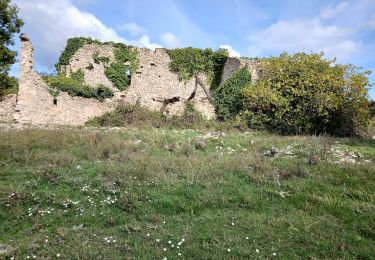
{"x": 188, "y": 62}
{"x": 228, "y": 97}
{"x": 75, "y": 86}
{"x": 117, "y": 71}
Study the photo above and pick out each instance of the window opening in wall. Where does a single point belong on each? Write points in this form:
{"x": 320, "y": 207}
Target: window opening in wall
{"x": 127, "y": 70}
{"x": 55, "y": 101}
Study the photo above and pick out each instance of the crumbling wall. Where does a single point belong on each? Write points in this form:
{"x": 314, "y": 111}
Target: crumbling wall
{"x": 83, "y": 58}
{"x": 153, "y": 85}
{"x": 7, "y": 107}
{"x": 234, "y": 64}
{"x": 35, "y": 105}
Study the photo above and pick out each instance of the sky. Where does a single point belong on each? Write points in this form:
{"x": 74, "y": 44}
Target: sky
{"x": 341, "y": 29}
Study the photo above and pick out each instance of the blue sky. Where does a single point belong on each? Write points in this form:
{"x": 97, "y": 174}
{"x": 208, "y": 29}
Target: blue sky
{"x": 342, "y": 29}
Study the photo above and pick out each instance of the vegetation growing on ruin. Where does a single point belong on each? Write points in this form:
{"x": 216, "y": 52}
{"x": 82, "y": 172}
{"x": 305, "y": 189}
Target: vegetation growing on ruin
{"x": 188, "y": 62}
{"x": 98, "y": 59}
{"x": 75, "y": 86}
{"x": 118, "y": 72}
{"x": 115, "y": 194}
{"x": 228, "y": 97}
{"x": 72, "y": 46}
{"x": 126, "y": 63}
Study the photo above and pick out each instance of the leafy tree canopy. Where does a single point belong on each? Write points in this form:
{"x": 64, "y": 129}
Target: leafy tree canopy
{"x": 10, "y": 24}
{"x": 307, "y": 94}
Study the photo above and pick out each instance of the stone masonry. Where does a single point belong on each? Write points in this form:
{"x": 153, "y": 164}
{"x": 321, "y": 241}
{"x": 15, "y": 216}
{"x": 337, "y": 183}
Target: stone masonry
{"x": 7, "y": 107}
{"x": 153, "y": 86}
{"x": 35, "y": 105}
{"x": 234, "y": 64}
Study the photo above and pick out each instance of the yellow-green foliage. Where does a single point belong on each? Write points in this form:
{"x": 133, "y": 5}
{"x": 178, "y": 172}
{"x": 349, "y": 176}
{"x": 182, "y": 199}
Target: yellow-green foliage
{"x": 307, "y": 94}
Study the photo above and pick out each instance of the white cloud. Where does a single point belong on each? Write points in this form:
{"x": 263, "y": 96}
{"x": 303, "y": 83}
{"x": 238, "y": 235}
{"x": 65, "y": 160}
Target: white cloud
{"x": 51, "y": 23}
{"x": 332, "y": 11}
{"x": 145, "y": 42}
{"x": 307, "y": 34}
{"x": 132, "y": 28}
{"x": 170, "y": 40}
{"x": 232, "y": 52}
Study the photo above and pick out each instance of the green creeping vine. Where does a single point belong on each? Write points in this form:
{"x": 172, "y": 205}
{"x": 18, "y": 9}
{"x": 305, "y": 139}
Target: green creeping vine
{"x": 228, "y": 97}
{"x": 188, "y": 62}
{"x": 74, "y": 86}
{"x": 117, "y": 71}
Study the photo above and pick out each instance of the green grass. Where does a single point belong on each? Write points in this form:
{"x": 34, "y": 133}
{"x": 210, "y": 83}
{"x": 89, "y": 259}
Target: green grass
{"x": 65, "y": 191}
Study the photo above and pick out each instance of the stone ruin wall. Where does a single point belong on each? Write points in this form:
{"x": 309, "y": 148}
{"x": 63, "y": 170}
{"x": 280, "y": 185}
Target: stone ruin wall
{"x": 7, "y": 108}
{"x": 153, "y": 86}
{"x": 35, "y": 105}
{"x": 234, "y": 64}
{"x": 84, "y": 57}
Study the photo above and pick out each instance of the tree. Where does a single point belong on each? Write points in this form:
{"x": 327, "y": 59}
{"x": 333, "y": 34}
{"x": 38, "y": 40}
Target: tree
{"x": 307, "y": 94}
{"x": 10, "y": 24}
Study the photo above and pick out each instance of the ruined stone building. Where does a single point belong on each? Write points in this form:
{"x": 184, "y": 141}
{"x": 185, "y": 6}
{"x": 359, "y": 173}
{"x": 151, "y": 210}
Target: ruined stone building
{"x": 153, "y": 86}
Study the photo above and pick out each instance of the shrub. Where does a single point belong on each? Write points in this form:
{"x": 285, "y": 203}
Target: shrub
{"x": 228, "y": 97}
{"x": 125, "y": 115}
{"x": 135, "y": 115}
{"x": 9, "y": 85}
{"x": 307, "y": 94}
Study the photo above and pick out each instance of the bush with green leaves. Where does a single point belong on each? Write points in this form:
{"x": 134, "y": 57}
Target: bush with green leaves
{"x": 75, "y": 86}
{"x": 10, "y": 85}
{"x": 134, "y": 115}
{"x": 228, "y": 97}
{"x": 307, "y": 94}
{"x": 188, "y": 62}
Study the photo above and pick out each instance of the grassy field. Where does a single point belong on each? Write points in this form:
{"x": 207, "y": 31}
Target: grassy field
{"x": 160, "y": 193}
